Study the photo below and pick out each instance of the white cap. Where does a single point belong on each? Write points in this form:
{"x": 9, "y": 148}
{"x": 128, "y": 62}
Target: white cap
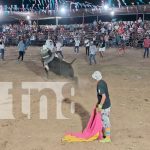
{"x": 91, "y": 42}
{"x": 97, "y": 75}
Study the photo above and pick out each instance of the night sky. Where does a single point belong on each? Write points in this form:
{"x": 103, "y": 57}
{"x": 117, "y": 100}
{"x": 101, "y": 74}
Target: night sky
{"x": 19, "y": 2}
{"x": 79, "y": 20}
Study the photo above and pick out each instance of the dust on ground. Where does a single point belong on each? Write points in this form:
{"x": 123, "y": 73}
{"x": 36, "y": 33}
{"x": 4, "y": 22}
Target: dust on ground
{"x": 128, "y": 79}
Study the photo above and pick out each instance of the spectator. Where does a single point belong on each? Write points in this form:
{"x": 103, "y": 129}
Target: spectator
{"x": 77, "y": 45}
{"x": 59, "y": 49}
{"x": 146, "y": 46}
{"x": 21, "y": 48}
{"x": 102, "y": 47}
{"x": 2, "y": 49}
{"x": 87, "y": 46}
{"x": 106, "y": 38}
{"x": 121, "y": 49}
{"x": 49, "y": 44}
{"x": 92, "y": 53}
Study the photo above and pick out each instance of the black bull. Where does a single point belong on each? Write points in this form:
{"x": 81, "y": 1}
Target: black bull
{"x": 61, "y": 67}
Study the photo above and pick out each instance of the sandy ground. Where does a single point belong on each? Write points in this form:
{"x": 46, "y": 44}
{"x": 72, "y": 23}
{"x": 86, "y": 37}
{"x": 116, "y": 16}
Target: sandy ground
{"x": 128, "y": 79}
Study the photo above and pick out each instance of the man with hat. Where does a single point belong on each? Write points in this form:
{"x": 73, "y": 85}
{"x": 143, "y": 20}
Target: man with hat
{"x": 103, "y": 105}
{"x": 49, "y": 44}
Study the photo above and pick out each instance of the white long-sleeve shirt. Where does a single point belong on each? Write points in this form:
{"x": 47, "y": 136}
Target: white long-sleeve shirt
{"x": 49, "y": 45}
{"x": 93, "y": 49}
{"x": 77, "y": 42}
{"x": 2, "y": 46}
{"x": 58, "y": 46}
{"x": 87, "y": 43}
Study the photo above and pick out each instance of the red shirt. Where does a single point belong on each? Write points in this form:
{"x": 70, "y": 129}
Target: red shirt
{"x": 147, "y": 43}
{"x": 121, "y": 30}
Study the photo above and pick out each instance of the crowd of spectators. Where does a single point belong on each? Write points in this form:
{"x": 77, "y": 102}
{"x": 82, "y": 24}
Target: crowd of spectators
{"x": 132, "y": 33}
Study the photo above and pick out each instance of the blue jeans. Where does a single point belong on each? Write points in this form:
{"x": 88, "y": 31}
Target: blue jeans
{"x": 2, "y": 53}
{"x": 76, "y": 49}
{"x": 92, "y": 57}
{"x": 21, "y": 54}
{"x": 107, "y": 44}
{"x": 146, "y": 52}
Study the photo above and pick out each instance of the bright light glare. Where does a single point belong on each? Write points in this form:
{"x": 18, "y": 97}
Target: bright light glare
{"x": 112, "y": 13}
{"x": 63, "y": 10}
{"x": 1, "y": 12}
{"x": 106, "y": 7}
{"x": 28, "y": 17}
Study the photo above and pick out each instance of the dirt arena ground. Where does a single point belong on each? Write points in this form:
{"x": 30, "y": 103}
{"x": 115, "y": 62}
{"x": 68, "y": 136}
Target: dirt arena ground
{"x": 128, "y": 79}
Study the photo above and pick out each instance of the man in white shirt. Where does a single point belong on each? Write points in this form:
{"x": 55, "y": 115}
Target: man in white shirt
{"x": 87, "y": 46}
{"x": 33, "y": 39}
{"x": 59, "y": 48}
{"x": 49, "y": 44}
{"x": 140, "y": 20}
{"x": 93, "y": 51}
{"x": 77, "y": 44}
{"x": 102, "y": 30}
{"x": 140, "y": 30}
{"x": 2, "y": 49}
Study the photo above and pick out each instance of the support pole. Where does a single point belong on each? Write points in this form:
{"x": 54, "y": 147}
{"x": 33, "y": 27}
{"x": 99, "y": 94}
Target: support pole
{"x": 83, "y": 19}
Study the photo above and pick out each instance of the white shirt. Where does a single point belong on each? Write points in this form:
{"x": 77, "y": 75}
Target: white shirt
{"x": 87, "y": 43}
{"x": 140, "y": 30}
{"x": 2, "y": 46}
{"x": 77, "y": 42}
{"x": 93, "y": 49}
{"x": 32, "y": 38}
{"x": 49, "y": 45}
{"x": 139, "y": 20}
{"x": 102, "y": 30}
{"x": 58, "y": 46}
{"x": 94, "y": 38}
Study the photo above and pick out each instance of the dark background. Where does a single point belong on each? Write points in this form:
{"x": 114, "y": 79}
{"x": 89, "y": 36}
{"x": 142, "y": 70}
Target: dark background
{"x": 19, "y": 2}
{"x": 80, "y": 19}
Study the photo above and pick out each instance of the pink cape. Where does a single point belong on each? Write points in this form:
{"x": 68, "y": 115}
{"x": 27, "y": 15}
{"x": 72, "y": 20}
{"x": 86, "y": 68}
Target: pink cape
{"x": 93, "y": 129}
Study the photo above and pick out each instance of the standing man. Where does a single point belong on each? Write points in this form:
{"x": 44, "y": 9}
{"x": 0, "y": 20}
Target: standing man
{"x": 102, "y": 47}
{"x": 87, "y": 46}
{"x": 92, "y": 52}
{"x": 59, "y": 49}
{"x": 77, "y": 44}
{"x": 49, "y": 44}
{"x": 2, "y": 49}
{"x": 146, "y": 46}
{"x": 103, "y": 105}
{"x": 21, "y": 48}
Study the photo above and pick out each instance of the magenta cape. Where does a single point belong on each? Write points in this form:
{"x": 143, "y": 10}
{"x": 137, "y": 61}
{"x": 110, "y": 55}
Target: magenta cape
{"x": 92, "y": 131}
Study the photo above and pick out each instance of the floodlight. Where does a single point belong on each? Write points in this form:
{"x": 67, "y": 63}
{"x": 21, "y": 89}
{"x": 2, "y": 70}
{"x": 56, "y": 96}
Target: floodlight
{"x": 112, "y": 13}
{"x": 28, "y": 17}
{"x": 1, "y": 12}
{"x": 106, "y": 7}
{"x": 63, "y": 10}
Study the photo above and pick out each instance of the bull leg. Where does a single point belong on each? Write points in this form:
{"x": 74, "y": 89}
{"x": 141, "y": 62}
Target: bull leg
{"x": 47, "y": 70}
